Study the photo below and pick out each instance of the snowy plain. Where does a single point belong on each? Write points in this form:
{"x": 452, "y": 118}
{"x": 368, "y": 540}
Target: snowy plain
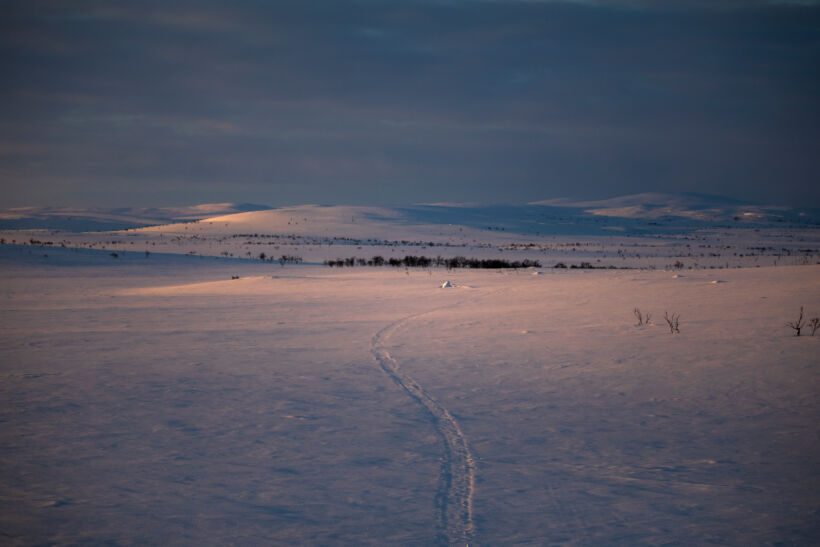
{"x": 165, "y": 398}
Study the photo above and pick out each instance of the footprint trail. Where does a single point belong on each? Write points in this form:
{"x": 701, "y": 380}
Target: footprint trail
{"x": 454, "y": 498}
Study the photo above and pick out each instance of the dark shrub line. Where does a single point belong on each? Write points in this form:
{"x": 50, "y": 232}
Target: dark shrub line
{"x": 589, "y": 266}
{"x": 412, "y": 261}
{"x": 284, "y": 259}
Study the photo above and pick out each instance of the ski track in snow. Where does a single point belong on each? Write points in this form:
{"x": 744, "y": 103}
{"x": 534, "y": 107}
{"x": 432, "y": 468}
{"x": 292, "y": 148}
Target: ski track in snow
{"x": 454, "y": 498}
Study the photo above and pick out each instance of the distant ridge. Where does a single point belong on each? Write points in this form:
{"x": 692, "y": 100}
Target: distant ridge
{"x": 684, "y": 205}
{"x": 636, "y": 214}
{"x": 79, "y": 219}
{"x": 690, "y": 199}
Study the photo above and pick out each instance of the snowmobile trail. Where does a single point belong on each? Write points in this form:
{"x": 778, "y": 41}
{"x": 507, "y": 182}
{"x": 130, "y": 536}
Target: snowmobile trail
{"x": 454, "y": 498}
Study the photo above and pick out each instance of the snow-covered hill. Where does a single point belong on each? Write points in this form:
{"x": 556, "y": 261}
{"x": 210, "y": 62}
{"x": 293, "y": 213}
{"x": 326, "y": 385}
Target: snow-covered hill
{"x": 638, "y": 213}
{"x": 698, "y": 207}
{"x": 80, "y": 219}
{"x": 644, "y": 230}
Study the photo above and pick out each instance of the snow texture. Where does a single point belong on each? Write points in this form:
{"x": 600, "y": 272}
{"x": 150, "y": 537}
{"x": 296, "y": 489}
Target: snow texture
{"x": 165, "y": 398}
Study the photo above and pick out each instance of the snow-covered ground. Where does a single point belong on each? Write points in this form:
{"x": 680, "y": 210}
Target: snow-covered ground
{"x": 604, "y": 234}
{"x": 177, "y": 399}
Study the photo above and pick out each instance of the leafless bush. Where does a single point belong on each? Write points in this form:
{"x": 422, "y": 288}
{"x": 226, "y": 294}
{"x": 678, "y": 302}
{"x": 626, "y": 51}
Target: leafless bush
{"x": 814, "y": 323}
{"x": 798, "y": 325}
{"x": 672, "y": 321}
{"x": 643, "y": 318}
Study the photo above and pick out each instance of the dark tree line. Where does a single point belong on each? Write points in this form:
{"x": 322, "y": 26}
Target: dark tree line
{"x": 412, "y": 261}
{"x": 284, "y": 259}
{"x": 587, "y": 266}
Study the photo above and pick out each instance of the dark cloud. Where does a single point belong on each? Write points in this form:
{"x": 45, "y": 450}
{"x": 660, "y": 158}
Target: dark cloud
{"x": 289, "y": 102}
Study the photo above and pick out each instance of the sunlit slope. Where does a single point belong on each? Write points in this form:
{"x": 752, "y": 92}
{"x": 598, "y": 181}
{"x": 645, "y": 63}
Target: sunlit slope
{"x": 442, "y": 222}
{"x": 354, "y": 222}
{"x": 650, "y": 212}
{"x": 78, "y": 219}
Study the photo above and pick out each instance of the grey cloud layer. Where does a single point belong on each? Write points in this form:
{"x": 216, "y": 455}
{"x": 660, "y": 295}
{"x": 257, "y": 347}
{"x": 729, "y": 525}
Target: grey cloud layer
{"x": 289, "y": 102}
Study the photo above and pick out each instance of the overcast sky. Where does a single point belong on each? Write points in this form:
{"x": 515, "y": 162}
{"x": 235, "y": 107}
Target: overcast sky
{"x": 391, "y": 102}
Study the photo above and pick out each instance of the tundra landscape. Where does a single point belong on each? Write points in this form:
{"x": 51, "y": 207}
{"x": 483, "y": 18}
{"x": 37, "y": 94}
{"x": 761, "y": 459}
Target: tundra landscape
{"x": 620, "y": 372}
{"x": 410, "y": 273}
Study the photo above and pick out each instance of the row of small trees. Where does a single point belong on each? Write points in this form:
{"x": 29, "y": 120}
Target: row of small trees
{"x": 412, "y": 261}
{"x": 284, "y": 259}
{"x": 586, "y": 266}
{"x": 673, "y": 320}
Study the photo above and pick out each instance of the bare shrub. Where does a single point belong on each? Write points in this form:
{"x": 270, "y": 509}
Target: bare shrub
{"x": 672, "y": 321}
{"x": 643, "y": 318}
{"x": 798, "y": 325}
{"x": 814, "y": 323}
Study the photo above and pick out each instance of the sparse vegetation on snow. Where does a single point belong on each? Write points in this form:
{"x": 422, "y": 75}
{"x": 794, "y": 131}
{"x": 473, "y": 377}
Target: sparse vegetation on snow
{"x": 218, "y": 398}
